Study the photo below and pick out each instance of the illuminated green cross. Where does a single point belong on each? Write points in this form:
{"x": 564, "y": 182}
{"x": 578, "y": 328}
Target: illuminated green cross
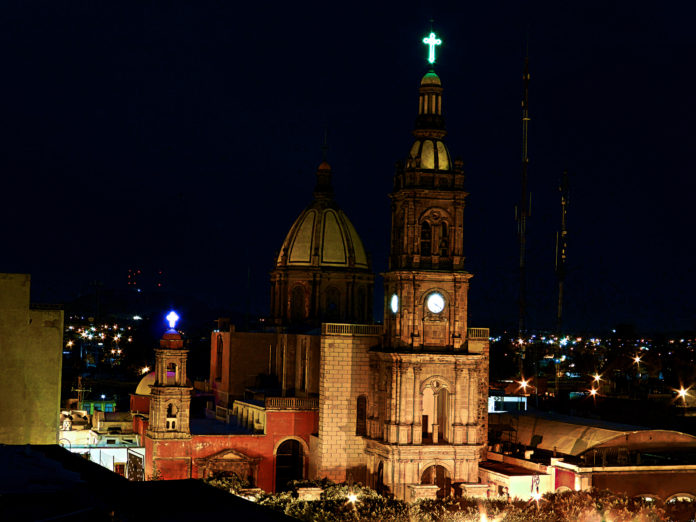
{"x": 432, "y": 41}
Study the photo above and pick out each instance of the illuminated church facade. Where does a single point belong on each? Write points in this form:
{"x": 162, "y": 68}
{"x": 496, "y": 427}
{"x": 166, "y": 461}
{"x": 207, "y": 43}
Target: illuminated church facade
{"x": 324, "y": 392}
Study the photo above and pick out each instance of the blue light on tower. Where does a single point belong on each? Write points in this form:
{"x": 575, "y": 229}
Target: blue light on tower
{"x": 172, "y": 319}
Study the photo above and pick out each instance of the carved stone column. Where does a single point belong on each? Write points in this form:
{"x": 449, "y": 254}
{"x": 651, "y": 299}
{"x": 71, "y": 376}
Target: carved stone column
{"x": 391, "y": 436}
{"x": 461, "y": 378}
{"x": 472, "y": 421}
{"x": 373, "y": 403}
{"x": 404, "y": 406}
{"x": 417, "y": 433}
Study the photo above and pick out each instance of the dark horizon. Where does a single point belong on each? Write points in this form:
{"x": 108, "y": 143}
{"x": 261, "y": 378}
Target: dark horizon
{"x": 186, "y": 138}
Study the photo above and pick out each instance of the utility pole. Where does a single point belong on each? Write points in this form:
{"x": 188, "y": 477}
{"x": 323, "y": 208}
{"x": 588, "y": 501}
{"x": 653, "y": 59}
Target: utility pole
{"x": 80, "y": 392}
{"x": 522, "y": 214}
{"x": 561, "y": 258}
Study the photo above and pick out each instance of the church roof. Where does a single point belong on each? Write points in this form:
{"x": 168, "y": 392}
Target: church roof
{"x": 322, "y": 235}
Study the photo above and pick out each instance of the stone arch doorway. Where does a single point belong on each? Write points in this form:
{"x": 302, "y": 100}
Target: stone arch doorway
{"x": 289, "y": 463}
{"x": 436, "y": 412}
{"x": 379, "y": 480}
{"x": 440, "y": 477}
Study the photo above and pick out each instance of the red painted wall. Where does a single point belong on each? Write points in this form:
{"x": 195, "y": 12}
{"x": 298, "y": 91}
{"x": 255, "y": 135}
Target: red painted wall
{"x": 661, "y": 484}
{"x": 175, "y": 458}
{"x": 139, "y": 403}
{"x": 564, "y": 478}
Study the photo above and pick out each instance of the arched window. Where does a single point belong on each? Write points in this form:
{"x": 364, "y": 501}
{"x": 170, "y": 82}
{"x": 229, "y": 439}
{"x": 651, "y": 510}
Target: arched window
{"x": 444, "y": 240}
{"x": 426, "y": 237}
{"x": 361, "y": 305}
{"x": 218, "y": 362}
{"x": 297, "y": 304}
{"x": 332, "y": 312}
{"x": 361, "y": 416}
{"x": 171, "y": 374}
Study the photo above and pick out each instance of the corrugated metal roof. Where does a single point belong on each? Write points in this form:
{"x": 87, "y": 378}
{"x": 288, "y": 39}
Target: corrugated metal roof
{"x": 573, "y": 435}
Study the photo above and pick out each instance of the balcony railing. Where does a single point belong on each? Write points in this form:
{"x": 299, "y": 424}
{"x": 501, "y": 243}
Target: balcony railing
{"x": 351, "y": 329}
{"x": 478, "y": 333}
{"x": 291, "y": 403}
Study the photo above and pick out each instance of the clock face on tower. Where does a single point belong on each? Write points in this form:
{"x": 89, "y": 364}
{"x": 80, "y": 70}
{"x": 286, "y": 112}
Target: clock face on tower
{"x": 394, "y": 303}
{"x": 435, "y": 302}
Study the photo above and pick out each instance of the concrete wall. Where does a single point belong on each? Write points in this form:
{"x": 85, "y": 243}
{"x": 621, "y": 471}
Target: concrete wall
{"x": 31, "y": 346}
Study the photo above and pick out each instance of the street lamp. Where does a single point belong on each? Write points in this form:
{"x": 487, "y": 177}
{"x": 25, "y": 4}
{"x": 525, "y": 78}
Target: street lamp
{"x": 597, "y": 377}
{"x": 523, "y": 385}
{"x": 683, "y": 393}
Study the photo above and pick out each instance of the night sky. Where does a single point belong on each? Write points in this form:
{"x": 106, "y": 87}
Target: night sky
{"x": 185, "y": 137}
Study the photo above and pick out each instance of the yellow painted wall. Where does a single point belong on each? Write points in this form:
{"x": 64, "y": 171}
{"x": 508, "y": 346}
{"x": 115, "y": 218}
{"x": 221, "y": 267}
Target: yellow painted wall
{"x": 31, "y": 351}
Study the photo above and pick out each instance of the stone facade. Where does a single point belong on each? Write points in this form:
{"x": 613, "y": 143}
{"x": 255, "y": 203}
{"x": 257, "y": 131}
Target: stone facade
{"x": 344, "y": 398}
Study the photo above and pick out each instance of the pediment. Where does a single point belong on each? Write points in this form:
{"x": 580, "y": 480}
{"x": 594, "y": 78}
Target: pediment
{"x": 228, "y": 455}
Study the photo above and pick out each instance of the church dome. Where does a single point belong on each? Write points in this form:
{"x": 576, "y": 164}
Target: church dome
{"x": 323, "y": 236}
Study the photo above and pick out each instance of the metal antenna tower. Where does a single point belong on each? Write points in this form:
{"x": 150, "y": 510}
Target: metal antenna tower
{"x": 522, "y": 214}
{"x": 561, "y": 258}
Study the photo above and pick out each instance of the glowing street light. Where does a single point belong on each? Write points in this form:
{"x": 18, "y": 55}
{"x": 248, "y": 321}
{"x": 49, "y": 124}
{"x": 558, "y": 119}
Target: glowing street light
{"x": 636, "y": 359}
{"x": 352, "y": 498}
{"x": 682, "y": 393}
{"x": 597, "y": 377}
{"x": 523, "y": 384}
{"x": 145, "y": 370}
{"x": 593, "y": 392}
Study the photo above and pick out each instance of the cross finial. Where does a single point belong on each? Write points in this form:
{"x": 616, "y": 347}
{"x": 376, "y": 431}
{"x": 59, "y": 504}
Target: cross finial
{"x": 172, "y": 318}
{"x": 432, "y": 41}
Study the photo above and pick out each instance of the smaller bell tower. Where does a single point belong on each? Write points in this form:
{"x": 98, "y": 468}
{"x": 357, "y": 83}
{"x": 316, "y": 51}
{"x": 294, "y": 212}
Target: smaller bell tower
{"x": 170, "y": 396}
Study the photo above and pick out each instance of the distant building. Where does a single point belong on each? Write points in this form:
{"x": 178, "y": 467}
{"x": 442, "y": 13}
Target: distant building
{"x": 31, "y": 341}
{"x": 538, "y": 452}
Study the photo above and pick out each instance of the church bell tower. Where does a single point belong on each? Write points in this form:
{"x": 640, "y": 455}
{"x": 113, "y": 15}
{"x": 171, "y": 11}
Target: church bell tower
{"x": 170, "y": 396}
{"x": 427, "y": 417}
{"x": 426, "y": 285}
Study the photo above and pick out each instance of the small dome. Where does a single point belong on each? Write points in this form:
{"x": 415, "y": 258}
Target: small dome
{"x": 148, "y": 382}
{"x": 430, "y": 154}
{"x": 145, "y": 384}
{"x": 431, "y": 78}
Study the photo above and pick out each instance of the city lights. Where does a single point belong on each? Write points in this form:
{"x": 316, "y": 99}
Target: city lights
{"x": 597, "y": 377}
{"x": 352, "y": 498}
